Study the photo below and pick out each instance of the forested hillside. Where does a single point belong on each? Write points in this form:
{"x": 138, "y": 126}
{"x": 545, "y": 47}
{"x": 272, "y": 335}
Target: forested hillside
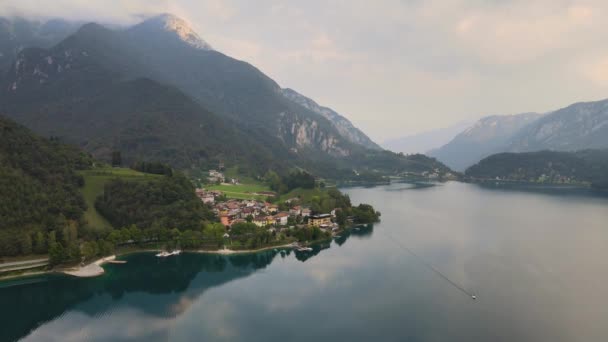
{"x": 588, "y": 166}
{"x": 40, "y": 199}
{"x": 166, "y": 202}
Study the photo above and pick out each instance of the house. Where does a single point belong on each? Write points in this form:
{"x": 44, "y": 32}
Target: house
{"x": 292, "y": 200}
{"x": 295, "y": 211}
{"x": 281, "y": 218}
{"x": 319, "y": 220}
{"x": 215, "y": 176}
{"x": 270, "y": 220}
{"x": 225, "y": 220}
{"x": 271, "y": 208}
{"x": 305, "y": 212}
{"x": 208, "y": 199}
{"x": 260, "y": 221}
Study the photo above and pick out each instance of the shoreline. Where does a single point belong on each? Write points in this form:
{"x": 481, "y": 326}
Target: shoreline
{"x": 94, "y": 269}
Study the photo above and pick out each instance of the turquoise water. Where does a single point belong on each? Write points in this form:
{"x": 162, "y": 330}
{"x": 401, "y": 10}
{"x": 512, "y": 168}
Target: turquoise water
{"x": 536, "y": 260}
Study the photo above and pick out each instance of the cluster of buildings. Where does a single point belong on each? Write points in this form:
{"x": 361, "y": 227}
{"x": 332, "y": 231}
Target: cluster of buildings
{"x": 264, "y": 214}
{"x": 218, "y": 177}
{"x": 208, "y": 197}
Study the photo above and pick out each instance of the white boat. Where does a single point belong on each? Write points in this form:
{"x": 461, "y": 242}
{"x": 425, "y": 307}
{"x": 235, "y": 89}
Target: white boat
{"x": 304, "y": 249}
{"x": 165, "y": 254}
{"x": 474, "y": 297}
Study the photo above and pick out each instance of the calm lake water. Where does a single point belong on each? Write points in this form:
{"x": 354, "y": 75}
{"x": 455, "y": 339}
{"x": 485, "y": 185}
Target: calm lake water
{"x": 536, "y": 260}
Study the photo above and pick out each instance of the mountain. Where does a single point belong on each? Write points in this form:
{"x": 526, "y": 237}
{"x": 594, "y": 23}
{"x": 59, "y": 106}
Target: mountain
{"x": 19, "y": 33}
{"x": 232, "y": 88}
{"x": 85, "y": 93}
{"x": 487, "y": 136}
{"x": 342, "y": 124}
{"x": 576, "y": 127}
{"x": 157, "y": 91}
{"x": 587, "y": 166}
{"x": 426, "y": 141}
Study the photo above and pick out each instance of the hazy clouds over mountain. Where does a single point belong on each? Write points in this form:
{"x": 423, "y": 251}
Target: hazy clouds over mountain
{"x": 430, "y": 64}
{"x": 426, "y": 141}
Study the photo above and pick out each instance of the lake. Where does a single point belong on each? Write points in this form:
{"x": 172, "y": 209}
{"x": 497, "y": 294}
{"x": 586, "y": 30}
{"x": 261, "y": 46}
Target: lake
{"x": 537, "y": 261}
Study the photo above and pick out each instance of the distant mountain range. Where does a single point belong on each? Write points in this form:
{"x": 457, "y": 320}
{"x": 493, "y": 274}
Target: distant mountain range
{"x": 158, "y": 91}
{"x": 577, "y": 127}
{"x": 487, "y": 136}
{"x": 425, "y": 141}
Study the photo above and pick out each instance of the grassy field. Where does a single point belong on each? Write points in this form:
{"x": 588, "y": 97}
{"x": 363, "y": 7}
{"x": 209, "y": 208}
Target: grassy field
{"x": 305, "y": 195}
{"x": 241, "y": 191}
{"x": 94, "y": 181}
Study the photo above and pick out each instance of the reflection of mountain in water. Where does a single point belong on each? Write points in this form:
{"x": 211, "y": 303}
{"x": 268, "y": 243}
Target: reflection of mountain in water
{"x": 33, "y": 301}
{"x": 176, "y": 282}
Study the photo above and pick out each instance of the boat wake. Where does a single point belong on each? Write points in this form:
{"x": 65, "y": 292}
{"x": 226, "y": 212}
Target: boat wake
{"x": 430, "y": 266}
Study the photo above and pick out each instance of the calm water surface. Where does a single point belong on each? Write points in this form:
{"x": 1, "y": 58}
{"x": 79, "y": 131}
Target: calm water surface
{"x": 536, "y": 260}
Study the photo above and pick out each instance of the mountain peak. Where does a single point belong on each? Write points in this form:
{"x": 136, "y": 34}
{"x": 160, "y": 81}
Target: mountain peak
{"x": 181, "y": 28}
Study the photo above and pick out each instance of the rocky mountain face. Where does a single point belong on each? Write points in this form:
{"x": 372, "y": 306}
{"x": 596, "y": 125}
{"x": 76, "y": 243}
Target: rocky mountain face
{"x": 231, "y": 87}
{"x": 577, "y": 127}
{"x": 17, "y": 34}
{"x": 346, "y": 129}
{"x": 157, "y": 90}
{"x": 487, "y": 136}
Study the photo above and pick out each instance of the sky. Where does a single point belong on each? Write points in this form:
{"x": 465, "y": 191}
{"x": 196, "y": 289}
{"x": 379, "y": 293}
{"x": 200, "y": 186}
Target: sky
{"x": 395, "y": 67}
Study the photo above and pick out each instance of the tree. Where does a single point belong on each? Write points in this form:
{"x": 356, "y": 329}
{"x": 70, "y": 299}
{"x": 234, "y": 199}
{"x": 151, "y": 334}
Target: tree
{"x": 39, "y": 243}
{"x": 57, "y": 254}
{"x": 116, "y": 158}
{"x": 25, "y": 243}
{"x": 89, "y": 249}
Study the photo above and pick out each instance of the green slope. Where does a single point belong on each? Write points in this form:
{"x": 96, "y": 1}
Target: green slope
{"x": 94, "y": 182}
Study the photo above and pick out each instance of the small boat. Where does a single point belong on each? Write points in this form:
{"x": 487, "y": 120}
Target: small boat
{"x": 337, "y": 236}
{"x": 304, "y": 249}
{"x": 163, "y": 254}
{"x": 474, "y": 297}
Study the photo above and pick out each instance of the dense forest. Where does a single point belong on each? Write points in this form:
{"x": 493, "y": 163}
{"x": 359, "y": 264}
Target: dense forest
{"x": 587, "y": 166}
{"x": 168, "y": 202}
{"x": 40, "y": 201}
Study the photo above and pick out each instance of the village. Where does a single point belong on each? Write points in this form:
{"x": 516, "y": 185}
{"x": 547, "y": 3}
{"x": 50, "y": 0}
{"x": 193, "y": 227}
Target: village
{"x": 290, "y": 214}
{"x": 265, "y": 214}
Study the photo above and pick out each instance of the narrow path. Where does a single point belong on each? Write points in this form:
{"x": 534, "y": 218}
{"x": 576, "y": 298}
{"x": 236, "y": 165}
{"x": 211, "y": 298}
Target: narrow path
{"x": 23, "y": 262}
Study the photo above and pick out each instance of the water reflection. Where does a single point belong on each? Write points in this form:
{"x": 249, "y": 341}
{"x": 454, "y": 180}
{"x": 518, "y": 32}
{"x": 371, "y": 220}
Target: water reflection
{"x": 176, "y": 283}
{"x": 536, "y": 262}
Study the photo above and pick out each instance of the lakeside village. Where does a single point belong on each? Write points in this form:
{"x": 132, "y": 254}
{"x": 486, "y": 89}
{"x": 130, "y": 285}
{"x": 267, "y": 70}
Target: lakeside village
{"x": 288, "y": 215}
{"x": 265, "y": 214}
